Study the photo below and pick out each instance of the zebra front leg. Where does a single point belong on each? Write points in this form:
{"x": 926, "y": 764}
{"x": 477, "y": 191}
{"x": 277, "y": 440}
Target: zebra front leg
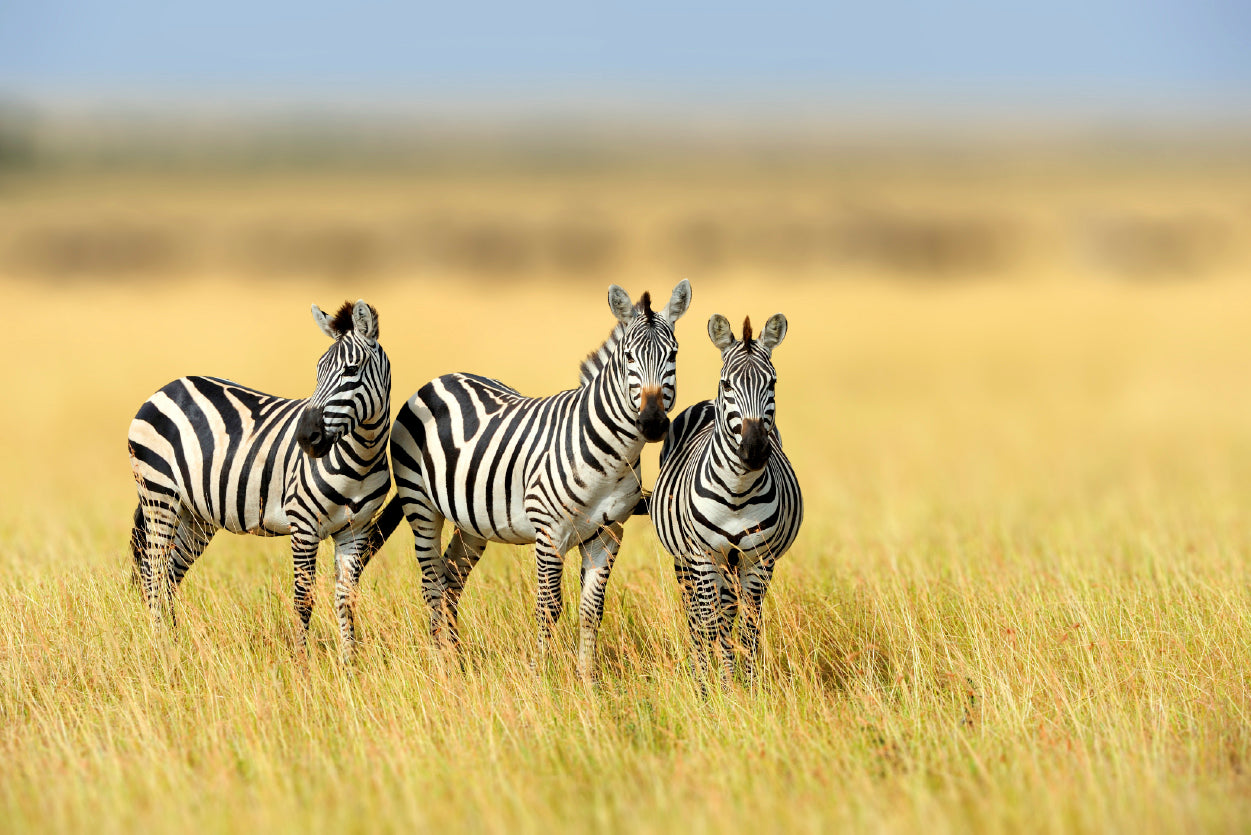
{"x": 427, "y": 525}
{"x": 756, "y": 579}
{"x": 304, "y": 563}
{"x": 700, "y": 597}
{"x": 459, "y": 558}
{"x": 728, "y": 588}
{"x": 350, "y": 557}
{"x": 598, "y": 555}
{"x": 549, "y": 562}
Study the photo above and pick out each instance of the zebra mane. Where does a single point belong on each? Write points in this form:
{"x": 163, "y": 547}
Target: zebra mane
{"x": 597, "y": 359}
{"x": 747, "y": 337}
{"x": 342, "y": 323}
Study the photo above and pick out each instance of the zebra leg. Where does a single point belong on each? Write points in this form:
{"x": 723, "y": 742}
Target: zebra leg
{"x": 190, "y": 540}
{"x": 700, "y": 597}
{"x": 756, "y": 580}
{"x": 598, "y": 555}
{"x": 462, "y": 554}
{"x": 304, "y": 561}
{"x": 728, "y": 591}
{"x": 161, "y": 515}
{"x": 549, "y": 562}
{"x": 350, "y": 556}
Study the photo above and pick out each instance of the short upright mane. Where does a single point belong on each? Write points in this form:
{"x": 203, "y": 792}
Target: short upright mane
{"x": 597, "y": 359}
{"x": 747, "y": 337}
{"x": 341, "y": 323}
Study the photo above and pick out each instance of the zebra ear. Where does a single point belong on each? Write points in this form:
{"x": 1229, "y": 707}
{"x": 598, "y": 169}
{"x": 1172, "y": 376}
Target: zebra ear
{"x": 719, "y": 331}
{"x": 679, "y": 301}
{"x": 323, "y": 322}
{"x": 774, "y": 332}
{"x": 620, "y": 304}
{"x": 365, "y": 320}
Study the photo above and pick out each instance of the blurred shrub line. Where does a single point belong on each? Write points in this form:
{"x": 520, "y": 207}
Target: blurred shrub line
{"x": 263, "y": 199}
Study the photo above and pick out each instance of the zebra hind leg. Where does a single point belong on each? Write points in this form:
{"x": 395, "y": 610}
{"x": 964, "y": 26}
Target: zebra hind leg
{"x": 462, "y": 554}
{"x": 152, "y": 544}
{"x": 190, "y": 540}
{"x": 598, "y": 554}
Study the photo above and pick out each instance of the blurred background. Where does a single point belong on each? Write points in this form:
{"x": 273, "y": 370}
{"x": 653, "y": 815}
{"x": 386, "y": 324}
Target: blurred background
{"x": 927, "y": 142}
{"x": 988, "y": 223}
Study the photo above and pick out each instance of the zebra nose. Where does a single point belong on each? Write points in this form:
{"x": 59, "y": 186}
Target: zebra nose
{"x": 653, "y": 421}
{"x": 754, "y": 448}
{"x": 310, "y": 432}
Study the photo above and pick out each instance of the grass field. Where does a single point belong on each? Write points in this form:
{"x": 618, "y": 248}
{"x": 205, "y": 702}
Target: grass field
{"x": 1020, "y": 599}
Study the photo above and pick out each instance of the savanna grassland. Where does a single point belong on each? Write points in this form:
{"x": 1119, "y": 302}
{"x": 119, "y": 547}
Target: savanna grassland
{"x": 1020, "y": 599}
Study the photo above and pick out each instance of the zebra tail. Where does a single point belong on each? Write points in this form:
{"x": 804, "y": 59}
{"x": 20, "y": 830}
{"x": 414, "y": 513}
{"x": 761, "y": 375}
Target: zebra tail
{"x": 382, "y": 526}
{"x": 138, "y": 545}
{"x": 642, "y": 509}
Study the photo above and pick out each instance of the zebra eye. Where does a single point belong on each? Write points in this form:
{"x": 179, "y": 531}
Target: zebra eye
{"x": 725, "y": 386}
{"x": 352, "y": 370}
{"x": 629, "y": 356}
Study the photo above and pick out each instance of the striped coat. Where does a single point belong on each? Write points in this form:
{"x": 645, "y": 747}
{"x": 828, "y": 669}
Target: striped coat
{"x": 727, "y": 504}
{"x": 559, "y": 471}
{"x": 208, "y": 454}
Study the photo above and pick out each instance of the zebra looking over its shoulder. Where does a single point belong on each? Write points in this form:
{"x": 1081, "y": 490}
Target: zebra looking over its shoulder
{"x": 727, "y": 504}
{"x": 209, "y": 454}
{"x": 559, "y": 471}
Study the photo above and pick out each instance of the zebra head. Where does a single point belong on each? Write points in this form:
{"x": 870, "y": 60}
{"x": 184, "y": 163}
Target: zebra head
{"x": 648, "y": 352}
{"x": 353, "y": 379}
{"x": 745, "y": 399}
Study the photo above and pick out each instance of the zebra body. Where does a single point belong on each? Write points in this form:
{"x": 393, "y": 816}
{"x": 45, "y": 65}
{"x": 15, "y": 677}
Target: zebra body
{"x": 559, "y": 471}
{"x": 208, "y": 454}
{"x": 727, "y": 503}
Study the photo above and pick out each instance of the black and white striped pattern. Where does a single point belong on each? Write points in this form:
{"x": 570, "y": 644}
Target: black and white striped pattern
{"x": 559, "y": 471}
{"x": 727, "y": 504}
{"x": 210, "y": 454}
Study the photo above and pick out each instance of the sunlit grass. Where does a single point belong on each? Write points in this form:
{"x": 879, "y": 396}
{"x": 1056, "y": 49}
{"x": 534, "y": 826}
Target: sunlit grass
{"x": 1020, "y": 599}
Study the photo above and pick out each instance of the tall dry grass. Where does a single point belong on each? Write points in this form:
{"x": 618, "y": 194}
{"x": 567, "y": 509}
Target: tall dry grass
{"x": 1019, "y": 601}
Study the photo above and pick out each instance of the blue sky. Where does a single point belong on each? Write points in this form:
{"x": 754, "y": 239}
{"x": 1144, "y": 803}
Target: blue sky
{"x": 1063, "y": 50}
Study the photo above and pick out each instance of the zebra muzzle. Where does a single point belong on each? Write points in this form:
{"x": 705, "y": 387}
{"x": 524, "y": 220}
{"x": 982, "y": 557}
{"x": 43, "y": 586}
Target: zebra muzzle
{"x": 653, "y": 422}
{"x": 754, "y": 448}
{"x": 311, "y": 434}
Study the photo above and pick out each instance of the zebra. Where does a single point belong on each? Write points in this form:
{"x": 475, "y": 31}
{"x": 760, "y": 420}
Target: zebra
{"x": 208, "y": 453}
{"x": 558, "y": 471}
{"x": 726, "y": 504}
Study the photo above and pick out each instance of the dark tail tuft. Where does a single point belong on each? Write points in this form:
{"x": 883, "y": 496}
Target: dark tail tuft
{"x": 642, "y": 508}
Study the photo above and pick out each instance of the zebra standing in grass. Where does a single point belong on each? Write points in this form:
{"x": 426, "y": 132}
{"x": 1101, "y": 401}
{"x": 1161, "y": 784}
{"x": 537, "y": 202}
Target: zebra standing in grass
{"x": 727, "y": 504}
{"x": 210, "y": 454}
{"x": 558, "y": 471}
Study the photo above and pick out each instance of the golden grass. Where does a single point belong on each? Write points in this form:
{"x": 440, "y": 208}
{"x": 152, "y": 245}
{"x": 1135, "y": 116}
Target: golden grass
{"x": 1019, "y": 601}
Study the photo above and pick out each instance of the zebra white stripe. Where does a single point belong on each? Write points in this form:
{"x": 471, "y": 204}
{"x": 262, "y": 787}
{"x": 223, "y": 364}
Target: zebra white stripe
{"x": 210, "y": 454}
{"x": 558, "y": 471}
{"x": 727, "y": 504}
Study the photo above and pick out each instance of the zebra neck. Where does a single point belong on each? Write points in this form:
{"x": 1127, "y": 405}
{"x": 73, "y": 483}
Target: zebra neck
{"x": 721, "y": 459}
{"x": 608, "y": 418}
